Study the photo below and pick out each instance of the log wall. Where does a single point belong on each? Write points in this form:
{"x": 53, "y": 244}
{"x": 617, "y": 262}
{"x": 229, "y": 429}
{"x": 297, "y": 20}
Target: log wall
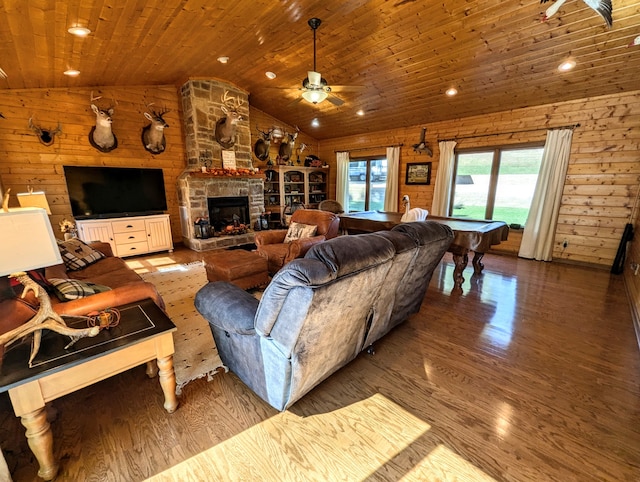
{"x": 25, "y": 161}
{"x": 600, "y": 187}
{"x": 602, "y": 178}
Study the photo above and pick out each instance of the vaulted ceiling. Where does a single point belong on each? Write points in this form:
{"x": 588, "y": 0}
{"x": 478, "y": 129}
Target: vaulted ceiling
{"x": 403, "y": 53}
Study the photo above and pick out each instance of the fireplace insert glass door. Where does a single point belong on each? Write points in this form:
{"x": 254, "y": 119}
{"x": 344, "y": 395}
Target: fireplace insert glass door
{"x": 228, "y": 211}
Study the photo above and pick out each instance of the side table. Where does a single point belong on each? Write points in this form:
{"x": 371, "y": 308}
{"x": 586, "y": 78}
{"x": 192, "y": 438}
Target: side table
{"x": 143, "y": 335}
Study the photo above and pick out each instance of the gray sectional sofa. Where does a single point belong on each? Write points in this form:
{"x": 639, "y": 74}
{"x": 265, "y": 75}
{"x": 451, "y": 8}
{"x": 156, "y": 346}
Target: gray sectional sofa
{"x": 319, "y": 312}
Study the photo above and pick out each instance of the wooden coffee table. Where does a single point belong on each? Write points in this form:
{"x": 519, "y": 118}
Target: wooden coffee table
{"x": 143, "y": 335}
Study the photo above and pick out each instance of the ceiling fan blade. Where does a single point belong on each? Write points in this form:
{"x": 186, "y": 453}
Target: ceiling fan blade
{"x": 346, "y": 88}
{"x": 294, "y": 102}
{"x": 337, "y": 101}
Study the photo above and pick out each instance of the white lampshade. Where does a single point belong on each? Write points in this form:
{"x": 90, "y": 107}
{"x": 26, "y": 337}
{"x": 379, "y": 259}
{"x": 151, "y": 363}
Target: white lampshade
{"x": 33, "y": 200}
{"x": 314, "y": 96}
{"x": 27, "y": 241}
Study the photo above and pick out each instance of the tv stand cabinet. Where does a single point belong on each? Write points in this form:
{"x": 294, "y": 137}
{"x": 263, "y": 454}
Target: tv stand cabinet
{"x": 129, "y": 236}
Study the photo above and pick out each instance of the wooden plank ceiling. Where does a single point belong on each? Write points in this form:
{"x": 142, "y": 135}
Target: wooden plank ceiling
{"x": 404, "y": 53}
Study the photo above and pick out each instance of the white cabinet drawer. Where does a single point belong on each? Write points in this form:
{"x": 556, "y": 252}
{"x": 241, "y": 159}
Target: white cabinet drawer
{"x": 128, "y": 225}
{"x": 130, "y": 237}
{"x": 130, "y": 249}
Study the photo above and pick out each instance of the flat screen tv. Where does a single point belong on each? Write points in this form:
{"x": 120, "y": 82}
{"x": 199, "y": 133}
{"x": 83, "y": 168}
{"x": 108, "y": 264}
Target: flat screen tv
{"x": 109, "y": 192}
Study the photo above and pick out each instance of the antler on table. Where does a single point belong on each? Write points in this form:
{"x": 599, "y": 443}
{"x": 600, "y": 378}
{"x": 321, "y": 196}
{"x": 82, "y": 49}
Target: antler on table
{"x": 44, "y": 319}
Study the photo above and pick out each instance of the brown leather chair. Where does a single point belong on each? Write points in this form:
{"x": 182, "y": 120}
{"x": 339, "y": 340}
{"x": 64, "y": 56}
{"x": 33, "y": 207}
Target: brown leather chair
{"x": 271, "y": 243}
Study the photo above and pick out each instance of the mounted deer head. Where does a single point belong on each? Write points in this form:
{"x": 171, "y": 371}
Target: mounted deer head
{"x": 101, "y": 137}
{"x": 46, "y": 136}
{"x": 153, "y": 134}
{"x": 261, "y": 147}
{"x": 286, "y": 147}
{"x": 277, "y": 134}
{"x": 226, "y": 126}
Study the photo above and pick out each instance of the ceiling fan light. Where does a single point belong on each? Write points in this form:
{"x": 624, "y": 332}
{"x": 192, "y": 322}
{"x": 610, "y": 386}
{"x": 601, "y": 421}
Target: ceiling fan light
{"x": 314, "y": 96}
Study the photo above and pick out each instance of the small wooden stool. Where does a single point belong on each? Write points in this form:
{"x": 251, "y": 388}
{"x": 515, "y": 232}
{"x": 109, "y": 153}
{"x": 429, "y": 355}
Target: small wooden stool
{"x": 244, "y": 269}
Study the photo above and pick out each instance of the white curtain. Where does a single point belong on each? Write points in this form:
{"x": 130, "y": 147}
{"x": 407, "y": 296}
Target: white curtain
{"x": 442, "y": 189}
{"x": 391, "y": 191}
{"x": 539, "y": 230}
{"x": 342, "y": 180}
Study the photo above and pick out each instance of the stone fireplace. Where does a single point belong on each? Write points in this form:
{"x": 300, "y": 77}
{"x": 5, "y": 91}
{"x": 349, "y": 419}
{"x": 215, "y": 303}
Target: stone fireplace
{"x": 202, "y": 107}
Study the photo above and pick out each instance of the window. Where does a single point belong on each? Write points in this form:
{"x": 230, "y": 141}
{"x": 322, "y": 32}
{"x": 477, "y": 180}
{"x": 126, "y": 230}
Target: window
{"x": 496, "y": 183}
{"x": 367, "y": 183}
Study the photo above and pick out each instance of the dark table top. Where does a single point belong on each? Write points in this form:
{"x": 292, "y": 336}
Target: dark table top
{"x": 138, "y": 321}
{"x": 472, "y": 234}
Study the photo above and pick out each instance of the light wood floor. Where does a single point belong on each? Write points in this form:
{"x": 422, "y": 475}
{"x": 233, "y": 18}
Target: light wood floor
{"x": 532, "y": 375}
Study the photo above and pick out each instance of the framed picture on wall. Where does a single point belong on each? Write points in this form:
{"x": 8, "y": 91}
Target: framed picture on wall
{"x": 418, "y": 173}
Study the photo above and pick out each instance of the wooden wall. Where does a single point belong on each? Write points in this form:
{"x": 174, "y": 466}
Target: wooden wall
{"x": 600, "y": 188}
{"x": 25, "y": 161}
{"x": 603, "y": 174}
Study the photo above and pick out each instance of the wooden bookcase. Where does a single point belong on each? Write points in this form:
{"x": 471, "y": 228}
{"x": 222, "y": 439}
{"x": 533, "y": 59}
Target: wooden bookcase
{"x": 285, "y": 186}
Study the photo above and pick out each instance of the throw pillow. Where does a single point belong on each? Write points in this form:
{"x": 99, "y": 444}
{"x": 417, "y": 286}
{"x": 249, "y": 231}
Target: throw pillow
{"x": 77, "y": 254}
{"x": 73, "y": 289}
{"x": 299, "y": 231}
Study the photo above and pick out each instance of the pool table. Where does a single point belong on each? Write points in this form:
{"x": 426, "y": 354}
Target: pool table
{"x": 469, "y": 235}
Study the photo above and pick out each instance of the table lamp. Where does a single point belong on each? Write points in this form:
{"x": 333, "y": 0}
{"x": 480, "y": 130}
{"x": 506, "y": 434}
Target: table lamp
{"x": 34, "y": 200}
{"x": 28, "y": 243}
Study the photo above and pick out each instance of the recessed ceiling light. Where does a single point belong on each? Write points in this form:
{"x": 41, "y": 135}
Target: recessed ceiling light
{"x": 270, "y": 75}
{"x": 72, "y": 72}
{"x": 451, "y": 91}
{"x": 567, "y": 65}
{"x": 315, "y": 122}
{"x": 223, "y": 59}
{"x": 360, "y": 112}
{"x": 79, "y": 31}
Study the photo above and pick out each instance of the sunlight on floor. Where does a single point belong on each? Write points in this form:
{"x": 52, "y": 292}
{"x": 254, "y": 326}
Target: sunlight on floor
{"x": 152, "y": 264}
{"x": 372, "y": 438}
{"x": 442, "y": 464}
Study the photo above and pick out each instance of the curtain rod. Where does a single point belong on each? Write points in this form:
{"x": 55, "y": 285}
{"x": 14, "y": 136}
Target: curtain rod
{"x": 365, "y": 148}
{"x": 570, "y": 126}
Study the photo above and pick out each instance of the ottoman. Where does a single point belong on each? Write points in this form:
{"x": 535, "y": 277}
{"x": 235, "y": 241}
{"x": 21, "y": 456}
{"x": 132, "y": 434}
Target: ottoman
{"x": 244, "y": 269}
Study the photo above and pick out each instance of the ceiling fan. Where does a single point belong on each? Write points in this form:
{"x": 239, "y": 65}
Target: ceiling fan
{"x": 314, "y": 87}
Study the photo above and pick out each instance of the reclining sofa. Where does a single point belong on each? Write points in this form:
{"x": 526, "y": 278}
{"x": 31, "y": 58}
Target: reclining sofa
{"x": 319, "y": 312}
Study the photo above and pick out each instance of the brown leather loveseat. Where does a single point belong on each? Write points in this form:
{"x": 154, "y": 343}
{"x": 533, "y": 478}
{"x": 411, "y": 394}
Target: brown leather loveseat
{"x": 126, "y": 287}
